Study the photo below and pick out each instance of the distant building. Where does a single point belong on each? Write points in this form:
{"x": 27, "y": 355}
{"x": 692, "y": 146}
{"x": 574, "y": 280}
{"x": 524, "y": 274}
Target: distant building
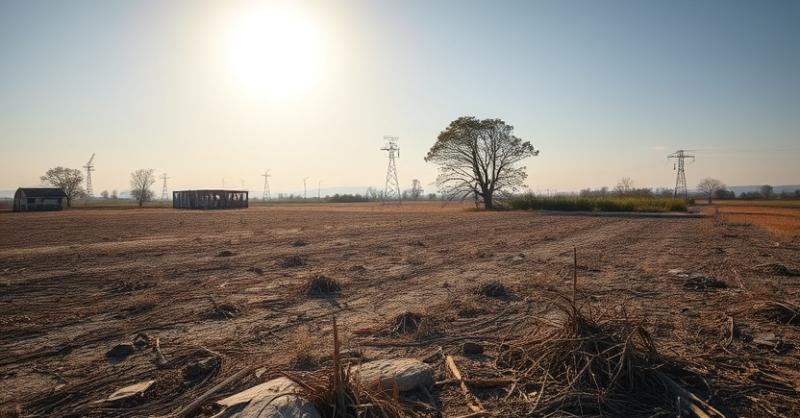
{"x": 210, "y": 199}
{"x": 28, "y": 199}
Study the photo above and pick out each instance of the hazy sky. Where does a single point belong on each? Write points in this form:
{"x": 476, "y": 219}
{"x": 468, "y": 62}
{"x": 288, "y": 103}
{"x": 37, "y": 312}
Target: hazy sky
{"x": 206, "y": 90}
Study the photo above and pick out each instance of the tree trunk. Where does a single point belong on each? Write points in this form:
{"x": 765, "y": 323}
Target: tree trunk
{"x": 69, "y": 202}
{"x": 487, "y": 201}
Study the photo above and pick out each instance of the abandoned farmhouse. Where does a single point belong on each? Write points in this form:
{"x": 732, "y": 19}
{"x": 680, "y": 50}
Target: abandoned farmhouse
{"x": 210, "y": 199}
{"x": 36, "y": 199}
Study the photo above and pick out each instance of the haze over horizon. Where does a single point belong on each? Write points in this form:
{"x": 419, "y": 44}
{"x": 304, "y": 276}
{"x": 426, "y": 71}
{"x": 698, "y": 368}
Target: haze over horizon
{"x": 206, "y": 90}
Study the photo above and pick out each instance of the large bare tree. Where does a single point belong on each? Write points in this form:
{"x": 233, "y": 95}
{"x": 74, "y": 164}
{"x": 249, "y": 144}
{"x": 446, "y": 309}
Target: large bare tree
{"x": 624, "y": 187}
{"x": 141, "y": 180}
{"x": 68, "y": 179}
{"x": 479, "y": 158}
{"x": 710, "y": 186}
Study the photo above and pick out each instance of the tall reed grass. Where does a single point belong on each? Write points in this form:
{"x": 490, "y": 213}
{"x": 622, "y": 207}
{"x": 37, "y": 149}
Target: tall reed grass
{"x": 598, "y": 204}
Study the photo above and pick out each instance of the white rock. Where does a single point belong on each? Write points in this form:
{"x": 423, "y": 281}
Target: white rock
{"x": 405, "y": 373}
{"x": 276, "y": 398}
{"x": 272, "y": 387}
{"x": 279, "y": 406}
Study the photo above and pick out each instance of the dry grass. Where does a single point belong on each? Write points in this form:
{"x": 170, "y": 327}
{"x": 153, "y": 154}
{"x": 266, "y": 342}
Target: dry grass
{"x": 222, "y": 311}
{"x": 779, "y": 221}
{"x": 140, "y": 304}
{"x": 773, "y": 310}
{"x": 775, "y": 203}
{"x": 338, "y": 394}
{"x": 320, "y": 286}
{"x": 295, "y": 260}
{"x": 305, "y": 356}
{"x": 595, "y": 366}
{"x": 405, "y": 323}
{"x": 171, "y": 255}
{"x": 492, "y": 289}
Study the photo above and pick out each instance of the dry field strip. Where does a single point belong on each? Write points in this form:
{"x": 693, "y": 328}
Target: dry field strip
{"x": 236, "y": 286}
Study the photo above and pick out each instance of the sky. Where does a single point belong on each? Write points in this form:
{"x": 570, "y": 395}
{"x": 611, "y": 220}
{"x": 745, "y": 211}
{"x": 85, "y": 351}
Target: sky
{"x": 220, "y": 91}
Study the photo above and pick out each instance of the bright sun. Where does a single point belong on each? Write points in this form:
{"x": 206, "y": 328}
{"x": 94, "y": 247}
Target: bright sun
{"x": 275, "y": 50}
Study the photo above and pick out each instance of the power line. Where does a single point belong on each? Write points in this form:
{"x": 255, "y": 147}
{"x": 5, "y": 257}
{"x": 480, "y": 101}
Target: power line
{"x": 680, "y": 180}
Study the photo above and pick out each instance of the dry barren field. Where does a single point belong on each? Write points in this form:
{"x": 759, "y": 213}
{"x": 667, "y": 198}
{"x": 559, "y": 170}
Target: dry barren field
{"x": 203, "y": 295}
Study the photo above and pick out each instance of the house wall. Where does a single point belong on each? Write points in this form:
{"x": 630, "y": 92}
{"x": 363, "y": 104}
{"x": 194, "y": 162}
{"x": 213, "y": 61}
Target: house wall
{"x": 23, "y": 203}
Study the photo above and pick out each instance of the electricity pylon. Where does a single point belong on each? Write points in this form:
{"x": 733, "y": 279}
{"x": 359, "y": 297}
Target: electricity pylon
{"x": 164, "y": 189}
{"x": 680, "y": 180}
{"x": 391, "y": 190}
{"x": 305, "y": 190}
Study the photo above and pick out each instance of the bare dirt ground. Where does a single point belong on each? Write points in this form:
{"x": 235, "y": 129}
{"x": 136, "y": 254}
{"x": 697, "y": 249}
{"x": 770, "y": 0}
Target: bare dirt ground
{"x": 228, "y": 285}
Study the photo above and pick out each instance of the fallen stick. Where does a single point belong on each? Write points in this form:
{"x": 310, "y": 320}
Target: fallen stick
{"x": 478, "y": 383}
{"x": 472, "y": 402}
{"x": 160, "y": 359}
{"x": 696, "y": 405}
{"x": 204, "y": 397}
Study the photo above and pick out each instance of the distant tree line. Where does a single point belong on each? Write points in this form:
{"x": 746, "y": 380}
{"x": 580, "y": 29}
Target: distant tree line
{"x": 626, "y": 188}
{"x": 708, "y": 188}
{"x": 374, "y": 195}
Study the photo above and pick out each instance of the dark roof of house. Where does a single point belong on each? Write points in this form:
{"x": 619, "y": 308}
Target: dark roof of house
{"x": 42, "y": 191}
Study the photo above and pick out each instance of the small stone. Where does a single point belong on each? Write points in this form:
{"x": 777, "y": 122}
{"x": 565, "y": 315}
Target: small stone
{"x": 120, "y": 352}
{"x": 200, "y": 369}
{"x": 405, "y": 373}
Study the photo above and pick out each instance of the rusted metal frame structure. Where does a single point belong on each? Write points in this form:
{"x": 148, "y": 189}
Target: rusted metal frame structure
{"x": 210, "y": 199}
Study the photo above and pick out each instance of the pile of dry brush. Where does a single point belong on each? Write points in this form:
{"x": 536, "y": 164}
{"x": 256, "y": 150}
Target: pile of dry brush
{"x": 338, "y": 394}
{"x": 590, "y": 366}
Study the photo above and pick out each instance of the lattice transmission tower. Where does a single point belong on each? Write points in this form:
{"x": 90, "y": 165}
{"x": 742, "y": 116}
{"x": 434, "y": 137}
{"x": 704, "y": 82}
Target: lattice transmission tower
{"x": 89, "y": 168}
{"x": 265, "y": 195}
{"x": 680, "y": 181}
{"x": 164, "y": 194}
{"x": 391, "y": 190}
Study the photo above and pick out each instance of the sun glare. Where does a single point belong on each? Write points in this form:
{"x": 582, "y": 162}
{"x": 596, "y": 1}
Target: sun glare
{"x": 275, "y": 50}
